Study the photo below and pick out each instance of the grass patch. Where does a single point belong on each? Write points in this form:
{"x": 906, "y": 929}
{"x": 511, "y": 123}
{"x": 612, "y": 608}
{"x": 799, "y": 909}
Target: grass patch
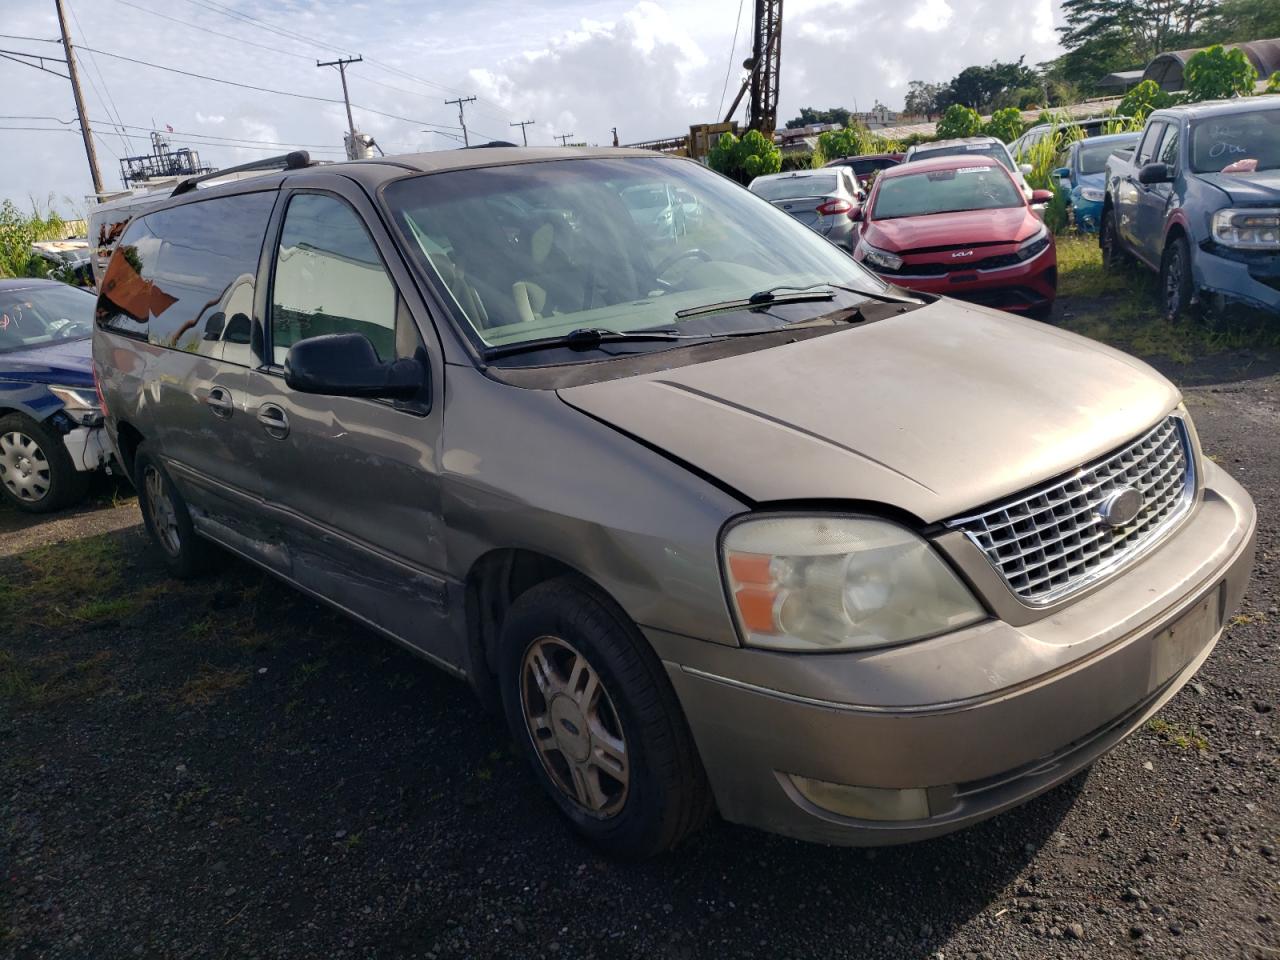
{"x": 98, "y": 610}
{"x": 1185, "y": 738}
{"x": 211, "y": 683}
{"x": 51, "y": 680}
{"x": 1122, "y": 308}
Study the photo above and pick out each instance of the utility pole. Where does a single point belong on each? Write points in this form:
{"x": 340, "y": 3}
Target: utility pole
{"x": 563, "y": 138}
{"x": 523, "y": 133}
{"x": 615, "y": 136}
{"x": 462, "y": 121}
{"x": 341, "y": 64}
{"x": 85, "y": 132}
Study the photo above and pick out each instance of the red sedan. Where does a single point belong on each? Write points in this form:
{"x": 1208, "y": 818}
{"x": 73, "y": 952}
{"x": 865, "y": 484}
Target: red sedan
{"x": 961, "y": 227}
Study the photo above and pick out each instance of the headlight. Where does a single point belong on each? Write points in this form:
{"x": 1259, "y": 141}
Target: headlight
{"x": 1247, "y": 229}
{"x": 1034, "y": 244}
{"x": 80, "y": 404}
{"x": 1092, "y": 194}
{"x": 881, "y": 258}
{"x": 839, "y": 583}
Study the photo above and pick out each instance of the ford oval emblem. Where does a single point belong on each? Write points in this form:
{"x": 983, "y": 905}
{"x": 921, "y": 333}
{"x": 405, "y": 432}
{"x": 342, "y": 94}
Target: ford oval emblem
{"x": 1121, "y": 507}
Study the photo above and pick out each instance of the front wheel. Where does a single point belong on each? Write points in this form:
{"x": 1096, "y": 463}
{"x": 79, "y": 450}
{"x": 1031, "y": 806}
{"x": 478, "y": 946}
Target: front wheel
{"x": 592, "y": 710}
{"x": 36, "y": 472}
{"x": 165, "y": 515}
{"x": 1176, "y": 289}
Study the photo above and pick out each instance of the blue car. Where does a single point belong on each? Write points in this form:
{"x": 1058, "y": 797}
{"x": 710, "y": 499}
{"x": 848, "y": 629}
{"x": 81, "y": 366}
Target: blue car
{"x": 1084, "y": 176}
{"x": 51, "y": 436}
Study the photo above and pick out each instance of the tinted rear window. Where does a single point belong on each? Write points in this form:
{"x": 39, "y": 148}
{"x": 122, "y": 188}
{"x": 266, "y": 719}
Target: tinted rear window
{"x": 818, "y": 185}
{"x": 994, "y": 151}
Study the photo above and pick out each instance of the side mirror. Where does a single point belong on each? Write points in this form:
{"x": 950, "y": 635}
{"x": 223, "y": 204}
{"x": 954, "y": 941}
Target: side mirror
{"x": 856, "y": 214}
{"x": 1154, "y": 173}
{"x": 1062, "y": 173}
{"x": 347, "y": 365}
{"x": 1025, "y": 168}
{"x": 1041, "y": 196}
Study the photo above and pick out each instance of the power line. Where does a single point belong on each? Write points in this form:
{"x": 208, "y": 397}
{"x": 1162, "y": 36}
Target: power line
{"x": 737, "y": 24}
{"x": 13, "y": 36}
{"x": 15, "y": 54}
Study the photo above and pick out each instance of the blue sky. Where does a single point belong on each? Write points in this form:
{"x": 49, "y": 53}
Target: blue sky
{"x": 649, "y": 67}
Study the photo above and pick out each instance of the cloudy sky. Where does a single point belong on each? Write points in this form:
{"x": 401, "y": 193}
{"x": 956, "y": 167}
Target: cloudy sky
{"x": 649, "y": 67}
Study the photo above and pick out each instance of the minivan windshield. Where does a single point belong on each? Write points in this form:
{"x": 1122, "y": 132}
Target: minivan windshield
{"x": 982, "y": 186}
{"x": 1244, "y": 142}
{"x": 531, "y": 251}
{"x": 1092, "y": 158}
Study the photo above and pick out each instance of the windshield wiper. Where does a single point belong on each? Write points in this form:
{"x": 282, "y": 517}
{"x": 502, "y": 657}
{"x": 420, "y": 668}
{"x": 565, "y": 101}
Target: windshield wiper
{"x": 586, "y": 337}
{"x": 763, "y": 298}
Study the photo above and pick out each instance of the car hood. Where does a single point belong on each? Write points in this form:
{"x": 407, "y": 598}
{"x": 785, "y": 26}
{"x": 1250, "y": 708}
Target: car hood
{"x": 970, "y": 227}
{"x": 1262, "y": 187}
{"x": 69, "y": 362}
{"x": 1096, "y": 180}
{"x": 935, "y": 412}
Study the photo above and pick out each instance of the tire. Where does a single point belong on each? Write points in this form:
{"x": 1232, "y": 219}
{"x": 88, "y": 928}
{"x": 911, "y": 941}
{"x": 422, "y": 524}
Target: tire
{"x": 1176, "y": 290}
{"x": 167, "y": 519}
{"x": 1113, "y": 256}
{"x": 36, "y": 472}
{"x": 564, "y": 646}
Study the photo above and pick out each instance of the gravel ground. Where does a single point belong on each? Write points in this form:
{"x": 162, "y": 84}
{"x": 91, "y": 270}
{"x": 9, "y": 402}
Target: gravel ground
{"x": 225, "y": 769}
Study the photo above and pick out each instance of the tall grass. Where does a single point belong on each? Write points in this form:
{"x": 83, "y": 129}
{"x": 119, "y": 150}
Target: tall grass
{"x": 18, "y": 231}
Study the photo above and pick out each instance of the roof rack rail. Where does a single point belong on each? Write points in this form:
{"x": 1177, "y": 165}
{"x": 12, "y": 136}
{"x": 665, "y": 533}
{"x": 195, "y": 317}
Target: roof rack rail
{"x": 285, "y": 161}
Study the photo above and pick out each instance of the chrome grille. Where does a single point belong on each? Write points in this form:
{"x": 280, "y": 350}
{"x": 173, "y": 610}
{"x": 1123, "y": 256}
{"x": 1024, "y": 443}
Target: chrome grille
{"x": 1052, "y": 540}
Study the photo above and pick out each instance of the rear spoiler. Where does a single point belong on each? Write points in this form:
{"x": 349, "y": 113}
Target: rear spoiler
{"x": 296, "y": 160}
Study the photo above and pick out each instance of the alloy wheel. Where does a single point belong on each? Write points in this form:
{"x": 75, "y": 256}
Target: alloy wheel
{"x": 1173, "y": 280}
{"x": 24, "y": 468}
{"x": 574, "y": 727}
{"x": 161, "y": 512}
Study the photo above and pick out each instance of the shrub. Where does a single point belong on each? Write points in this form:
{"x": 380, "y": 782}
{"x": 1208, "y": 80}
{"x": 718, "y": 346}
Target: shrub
{"x": 17, "y": 232}
{"x": 1142, "y": 99}
{"x": 959, "y": 121}
{"x": 1273, "y": 85}
{"x": 1005, "y": 125}
{"x": 744, "y": 160}
{"x": 1217, "y": 73}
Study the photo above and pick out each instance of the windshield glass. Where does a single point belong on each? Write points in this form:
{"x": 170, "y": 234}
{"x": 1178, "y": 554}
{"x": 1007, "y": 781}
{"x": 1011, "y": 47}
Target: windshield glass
{"x": 1092, "y": 158}
{"x": 1242, "y": 141}
{"x": 993, "y": 150}
{"x": 536, "y": 250}
{"x": 786, "y": 188}
{"x": 980, "y": 187}
{"x": 35, "y": 316}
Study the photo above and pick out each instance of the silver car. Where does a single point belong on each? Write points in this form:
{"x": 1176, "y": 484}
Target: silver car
{"x": 719, "y": 521}
{"x": 826, "y": 201}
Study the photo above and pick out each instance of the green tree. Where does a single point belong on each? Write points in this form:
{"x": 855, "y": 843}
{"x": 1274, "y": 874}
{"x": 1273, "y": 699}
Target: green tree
{"x": 1273, "y": 85}
{"x": 1142, "y": 99}
{"x": 1218, "y": 73}
{"x": 1005, "y": 125}
{"x": 811, "y": 115}
{"x": 743, "y": 160}
{"x": 1240, "y": 20}
{"x": 979, "y": 87}
{"x": 959, "y": 121}
{"x": 922, "y": 98}
{"x": 1141, "y": 28}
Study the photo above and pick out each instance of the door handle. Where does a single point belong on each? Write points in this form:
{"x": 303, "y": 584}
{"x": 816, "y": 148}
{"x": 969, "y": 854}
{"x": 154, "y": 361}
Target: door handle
{"x": 219, "y": 403}
{"x": 273, "y": 420}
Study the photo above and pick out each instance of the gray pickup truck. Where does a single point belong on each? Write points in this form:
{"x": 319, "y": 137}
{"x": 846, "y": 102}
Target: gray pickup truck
{"x": 1199, "y": 201}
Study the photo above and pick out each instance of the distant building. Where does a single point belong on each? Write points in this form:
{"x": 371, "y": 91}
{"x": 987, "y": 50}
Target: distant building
{"x": 1166, "y": 68}
{"x": 877, "y": 117}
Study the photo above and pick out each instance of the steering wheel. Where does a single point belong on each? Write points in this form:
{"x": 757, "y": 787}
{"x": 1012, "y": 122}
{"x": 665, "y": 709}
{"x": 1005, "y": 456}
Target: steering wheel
{"x": 668, "y": 262}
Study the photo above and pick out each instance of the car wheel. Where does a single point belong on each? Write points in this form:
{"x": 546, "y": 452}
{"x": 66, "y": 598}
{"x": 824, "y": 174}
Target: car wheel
{"x": 1113, "y": 257}
{"x": 592, "y": 710}
{"x": 1175, "y": 278}
{"x": 36, "y": 472}
{"x": 167, "y": 519}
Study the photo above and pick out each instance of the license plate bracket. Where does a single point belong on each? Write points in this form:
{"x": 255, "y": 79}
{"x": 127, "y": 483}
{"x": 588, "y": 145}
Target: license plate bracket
{"x": 1174, "y": 646}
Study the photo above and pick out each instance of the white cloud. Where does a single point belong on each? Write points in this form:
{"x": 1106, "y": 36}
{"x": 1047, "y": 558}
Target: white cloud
{"x": 212, "y": 118}
{"x": 931, "y": 16}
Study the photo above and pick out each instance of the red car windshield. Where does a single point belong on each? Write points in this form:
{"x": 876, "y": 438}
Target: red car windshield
{"x": 980, "y": 187}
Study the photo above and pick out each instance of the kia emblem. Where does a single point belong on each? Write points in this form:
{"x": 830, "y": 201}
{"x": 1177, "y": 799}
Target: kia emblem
{"x": 961, "y": 253}
{"x": 1121, "y": 507}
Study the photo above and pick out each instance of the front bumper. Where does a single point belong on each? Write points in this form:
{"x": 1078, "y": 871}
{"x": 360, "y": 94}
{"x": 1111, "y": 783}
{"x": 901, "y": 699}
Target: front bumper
{"x": 1086, "y": 214}
{"x": 1250, "y": 278}
{"x": 1028, "y": 286}
{"x": 88, "y": 447}
{"x": 1035, "y": 704}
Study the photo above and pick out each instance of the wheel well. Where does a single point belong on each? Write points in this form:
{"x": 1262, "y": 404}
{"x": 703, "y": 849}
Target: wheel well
{"x": 127, "y": 439}
{"x": 494, "y": 583}
{"x": 1175, "y": 231}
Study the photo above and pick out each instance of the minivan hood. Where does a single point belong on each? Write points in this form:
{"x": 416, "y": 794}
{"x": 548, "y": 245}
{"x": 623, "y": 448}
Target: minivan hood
{"x": 969, "y": 227}
{"x": 1262, "y": 187}
{"x": 935, "y": 412}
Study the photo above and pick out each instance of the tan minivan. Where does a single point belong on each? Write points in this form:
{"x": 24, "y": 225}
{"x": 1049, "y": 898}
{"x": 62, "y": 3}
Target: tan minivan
{"x": 720, "y": 519}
